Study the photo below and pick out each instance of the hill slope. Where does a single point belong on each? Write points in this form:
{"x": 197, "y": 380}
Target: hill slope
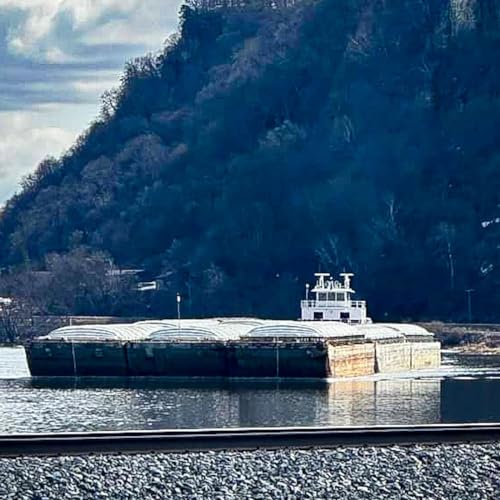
{"x": 263, "y": 144}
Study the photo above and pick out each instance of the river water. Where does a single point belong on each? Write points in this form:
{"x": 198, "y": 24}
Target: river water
{"x": 464, "y": 389}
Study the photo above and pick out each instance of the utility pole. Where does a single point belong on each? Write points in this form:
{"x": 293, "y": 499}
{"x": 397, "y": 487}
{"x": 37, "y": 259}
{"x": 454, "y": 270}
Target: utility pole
{"x": 469, "y": 303}
{"x": 179, "y": 309}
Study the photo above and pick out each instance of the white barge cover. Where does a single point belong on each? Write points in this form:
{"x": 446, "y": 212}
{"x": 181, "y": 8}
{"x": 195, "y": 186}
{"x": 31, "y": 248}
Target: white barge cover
{"x": 302, "y": 329}
{"x": 226, "y": 329}
{"x": 196, "y": 331}
{"x": 125, "y": 331}
{"x": 409, "y": 330}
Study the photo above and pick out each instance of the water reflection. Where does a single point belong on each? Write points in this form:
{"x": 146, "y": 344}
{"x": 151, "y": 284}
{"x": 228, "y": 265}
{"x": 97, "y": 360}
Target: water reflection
{"x": 267, "y": 402}
{"x": 52, "y": 404}
{"x": 385, "y": 402}
{"x": 68, "y": 404}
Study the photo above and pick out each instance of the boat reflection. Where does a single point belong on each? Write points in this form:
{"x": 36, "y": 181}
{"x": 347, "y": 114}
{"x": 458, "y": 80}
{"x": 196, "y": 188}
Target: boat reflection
{"x": 190, "y": 403}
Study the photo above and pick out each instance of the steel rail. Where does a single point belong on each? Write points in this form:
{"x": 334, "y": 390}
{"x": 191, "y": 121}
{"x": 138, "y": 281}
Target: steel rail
{"x": 189, "y": 440}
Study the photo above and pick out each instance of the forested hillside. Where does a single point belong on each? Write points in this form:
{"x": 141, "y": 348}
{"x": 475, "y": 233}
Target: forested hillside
{"x": 263, "y": 144}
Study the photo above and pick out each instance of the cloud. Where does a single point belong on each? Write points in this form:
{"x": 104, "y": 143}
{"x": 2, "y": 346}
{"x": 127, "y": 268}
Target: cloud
{"x": 57, "y": 57}
{"x": 145, "y": 27}
{"x": 26, "y": 137}
{"x": 28, "y": 87}
{"x": 73, "y": 50}
{"x": 64, "y": 50}
{"x": 57, "y": 31}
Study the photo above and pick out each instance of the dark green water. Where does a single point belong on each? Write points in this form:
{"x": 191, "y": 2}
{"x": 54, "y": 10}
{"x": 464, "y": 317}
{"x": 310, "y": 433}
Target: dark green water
{"x": 464, "y": 389}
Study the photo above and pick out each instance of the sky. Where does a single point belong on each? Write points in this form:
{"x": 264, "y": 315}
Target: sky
{"x": 57, "y": 57}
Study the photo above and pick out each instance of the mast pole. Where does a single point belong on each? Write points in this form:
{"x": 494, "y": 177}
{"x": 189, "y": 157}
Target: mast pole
{"x": 178, "y": 310}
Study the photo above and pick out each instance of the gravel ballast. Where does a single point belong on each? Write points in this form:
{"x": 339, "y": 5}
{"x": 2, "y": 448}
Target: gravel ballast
{"x": 427, "y": 472}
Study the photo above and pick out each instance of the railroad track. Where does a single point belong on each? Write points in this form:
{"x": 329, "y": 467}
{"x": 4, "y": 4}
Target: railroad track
{"x": 81, "y": 443}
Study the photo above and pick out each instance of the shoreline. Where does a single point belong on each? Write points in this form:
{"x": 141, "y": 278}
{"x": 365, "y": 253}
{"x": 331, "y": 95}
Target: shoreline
{"x": 479, "y": 349}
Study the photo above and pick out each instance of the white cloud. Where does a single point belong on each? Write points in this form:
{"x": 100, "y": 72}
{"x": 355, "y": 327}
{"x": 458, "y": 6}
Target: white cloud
{"x": 94, "y": 87}
{"x": 37, "y": 23}
{"x": 39, "y": 35}
{"x": 146, "y": 26}
{"x": 26, "y": 137}
{"x": 59, "y": 56}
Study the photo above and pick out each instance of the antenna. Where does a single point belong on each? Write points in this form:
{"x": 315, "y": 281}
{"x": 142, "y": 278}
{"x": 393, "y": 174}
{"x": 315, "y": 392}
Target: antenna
{"x": 321, "y": 279}
{"x": 347, "y": 279}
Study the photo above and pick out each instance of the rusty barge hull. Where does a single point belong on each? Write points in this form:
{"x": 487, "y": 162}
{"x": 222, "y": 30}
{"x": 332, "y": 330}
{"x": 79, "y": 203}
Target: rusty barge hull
{"x": 302, "y": 359}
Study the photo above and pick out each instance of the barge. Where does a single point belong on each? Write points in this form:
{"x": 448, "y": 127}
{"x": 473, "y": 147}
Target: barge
{"x": 333, "y": 338}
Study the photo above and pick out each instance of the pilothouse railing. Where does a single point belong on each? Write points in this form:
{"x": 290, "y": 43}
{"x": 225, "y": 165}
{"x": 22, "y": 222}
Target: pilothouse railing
{"x": 358, "y": 304}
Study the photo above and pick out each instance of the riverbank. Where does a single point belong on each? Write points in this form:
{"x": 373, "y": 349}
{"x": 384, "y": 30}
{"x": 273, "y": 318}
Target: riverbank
{"x": 479, "y": 348}
{"x": 474, "y": 338}
{"x": 437, "y": 472}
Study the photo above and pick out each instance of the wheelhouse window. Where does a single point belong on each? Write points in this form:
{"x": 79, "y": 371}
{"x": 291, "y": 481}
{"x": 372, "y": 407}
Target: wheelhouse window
{"x": 344, "y": 316}
{"x": 321, "y": 296}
